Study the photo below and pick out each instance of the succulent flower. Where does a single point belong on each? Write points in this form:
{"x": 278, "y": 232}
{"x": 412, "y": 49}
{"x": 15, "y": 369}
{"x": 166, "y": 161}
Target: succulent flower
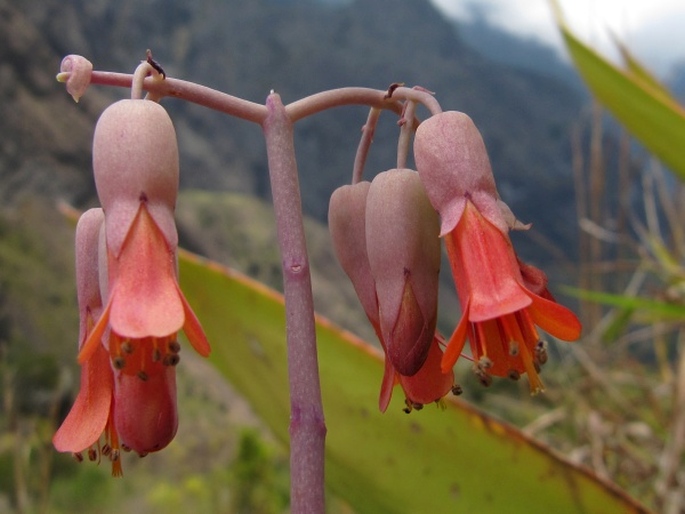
{"x": 502, "y": 299}
{"x": 140, "y": 307}
{"x": 385, "y": 237}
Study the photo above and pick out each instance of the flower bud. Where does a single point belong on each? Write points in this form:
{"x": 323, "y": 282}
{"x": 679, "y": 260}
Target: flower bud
{"x": 76, "y": 70}
{"x": 135, "y": 159}
{"x": 454, "y": 166}
{"x": 346, "y": 222}
{"x": 404, "y": 256}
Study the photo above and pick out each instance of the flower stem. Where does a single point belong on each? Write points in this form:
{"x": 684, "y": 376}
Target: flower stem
{"x": 307, "y": 426}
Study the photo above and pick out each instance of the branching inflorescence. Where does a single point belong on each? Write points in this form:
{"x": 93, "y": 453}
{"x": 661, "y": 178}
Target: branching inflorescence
{"x": 387, "y": 236}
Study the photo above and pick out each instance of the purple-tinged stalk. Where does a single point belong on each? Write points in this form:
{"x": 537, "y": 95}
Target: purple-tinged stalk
{"x": 307, "y": 425}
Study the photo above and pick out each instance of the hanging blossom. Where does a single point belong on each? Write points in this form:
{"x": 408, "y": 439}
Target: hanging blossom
{"x": 130, "y": 302}
{"x": 503, "y": 300}
{"x": 385, "y": 235}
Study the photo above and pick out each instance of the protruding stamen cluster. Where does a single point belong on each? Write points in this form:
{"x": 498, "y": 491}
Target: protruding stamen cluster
{"x": 144, "y": 357}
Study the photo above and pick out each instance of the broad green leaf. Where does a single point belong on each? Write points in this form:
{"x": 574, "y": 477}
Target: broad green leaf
{"x": 452, "y": 460}
{"x": 656, "y": 308}
{"x": 649, "y": 113}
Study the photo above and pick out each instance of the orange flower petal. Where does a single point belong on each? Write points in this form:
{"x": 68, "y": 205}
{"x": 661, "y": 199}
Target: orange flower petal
{"x": 430, "y": 383}
{"x": 484, "y": 267}
{"x": 193, "y": 329}
{"x": 144, "y": 297}
{"x": 88, "y": 417}
{"x": 554, "y": 319}
{"x": 456, "y": 343}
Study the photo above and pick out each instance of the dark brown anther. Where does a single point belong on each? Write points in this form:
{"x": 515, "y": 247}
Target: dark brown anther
{"x": 417, "y": 406}
{"x": 457, "y": 390}
{"x": 127, "y": 347}
{"x": 156, "y": 355}
{"x": 541, "y": 353}
{"x": 125, "y": 448}
{"x": 106, "y": 450}
{"x": 142, "y": 454}
{"x": 154, "y": 64}
{"x": 114, "y": 456}
{"x": 118, "y": 362}
{"x": 142, "y": 375}
{"x": 408, "y": 407}
{"x": 513, "y": 374}
{"x": 78, "y": 456}
{"x": 92, "y": 454}
{"x": 174, "y": 346}
{"x": 171, "y": 359}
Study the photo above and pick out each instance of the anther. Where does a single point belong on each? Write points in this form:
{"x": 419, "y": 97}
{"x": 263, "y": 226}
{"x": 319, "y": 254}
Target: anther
{"x": 142, "y": 454}
{"x": 106, "y": 450}
{"x": 156, "y": 355}
{"x": 78, "y": 456}
{"x": 171, "y": 359}
{"x": 513, "y": 374}
{"x": 127, "y": 347}
{"x": 126, "y": 448}
{"x": 484, "y": 363}
{"x": 118, "y": 362}
{"x": 417, "y": 406}
{"x": 457, "y": 390}
{"x": 541, "y": 353}
{"x": 92, "y": 454}
{"x": 174, "y": 346}
{"x": 142, "y": 375}
{"x": 513, "y": 348}
{"x": 114, "y": 456}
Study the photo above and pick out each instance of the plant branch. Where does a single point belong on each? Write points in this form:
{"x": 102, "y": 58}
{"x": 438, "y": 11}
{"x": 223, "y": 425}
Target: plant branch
{"x": 307, "y": 426}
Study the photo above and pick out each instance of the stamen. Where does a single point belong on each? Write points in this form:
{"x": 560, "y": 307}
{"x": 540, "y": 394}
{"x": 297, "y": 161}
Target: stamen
{"x": 156, "y": 355}
{"x": 174, "y": 346}
{"x": 532, "y": 369}
{"x": 92, "y": 454}
{"x": 119, "y": 362}
{"x": 125, "y": 447}
{"x": 417, "y": 406}
{"x": 540, "y": 355}
{"x": 142, "y": 375}
{"x": 106, "y": 450}
{"x": 513, "y": 348}
{"x": 171, "y": 359}
{"x": 142, "y": 454}
{"x": 457, "y": 390}
{"x": 127, "y": 347}
{"x": 78, "y": 456}
{"x": 513, "y": 374}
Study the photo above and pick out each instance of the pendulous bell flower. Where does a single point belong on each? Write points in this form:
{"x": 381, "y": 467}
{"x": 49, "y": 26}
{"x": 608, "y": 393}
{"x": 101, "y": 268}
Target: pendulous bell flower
{"x": 91, "y": 415}
{"x": 348, "y": 218}
{"x": 503, "y": 300}
{"x": 135, "y": 161}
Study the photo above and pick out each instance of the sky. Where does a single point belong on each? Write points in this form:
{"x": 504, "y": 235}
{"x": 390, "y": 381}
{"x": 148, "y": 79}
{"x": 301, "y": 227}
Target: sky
{"x": 653, "y": 29}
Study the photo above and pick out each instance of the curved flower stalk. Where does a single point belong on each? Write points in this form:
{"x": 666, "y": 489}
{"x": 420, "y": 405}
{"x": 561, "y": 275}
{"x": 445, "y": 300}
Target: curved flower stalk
{"x": 393, "y": 264}
{"x": 142, "y": 308}
{"x": 502, "y": 299}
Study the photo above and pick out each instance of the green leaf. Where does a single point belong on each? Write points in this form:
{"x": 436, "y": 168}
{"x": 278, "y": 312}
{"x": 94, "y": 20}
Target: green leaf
{"x": 647, "y": 111}
{"x": 452, "y": 460}
{"x": 659, "y": 309}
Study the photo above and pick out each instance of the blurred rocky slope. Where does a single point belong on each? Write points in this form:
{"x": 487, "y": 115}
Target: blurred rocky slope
{"x": 296, "y": 47}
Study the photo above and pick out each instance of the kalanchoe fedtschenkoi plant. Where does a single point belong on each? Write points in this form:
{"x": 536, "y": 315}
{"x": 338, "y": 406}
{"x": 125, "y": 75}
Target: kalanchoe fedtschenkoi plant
{"x": 141, "y": 308}
{"x": 502, "y": 299}
{"x": 385, "y": 235}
